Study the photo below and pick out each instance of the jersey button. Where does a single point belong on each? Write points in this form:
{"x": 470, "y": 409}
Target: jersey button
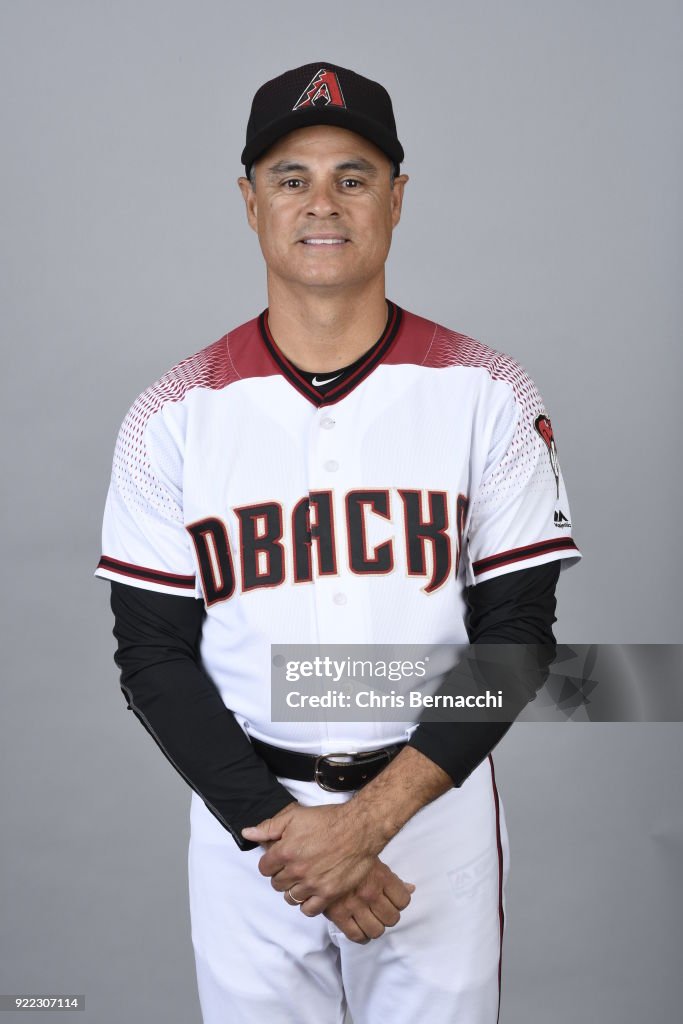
{"x": 327, "y": 423}
{"x": 340, "y": 598}
{"x": 331, "y": 466}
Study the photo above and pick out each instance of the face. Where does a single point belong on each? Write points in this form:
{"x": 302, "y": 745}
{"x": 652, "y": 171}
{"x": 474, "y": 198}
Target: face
{"x": 324, "y": 208}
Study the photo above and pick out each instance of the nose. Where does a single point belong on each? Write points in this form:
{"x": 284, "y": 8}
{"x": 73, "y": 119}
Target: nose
{"x": 322, "y": 200}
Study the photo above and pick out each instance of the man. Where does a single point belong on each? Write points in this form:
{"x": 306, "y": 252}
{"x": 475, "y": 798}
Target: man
{"x": 336, "y": 470}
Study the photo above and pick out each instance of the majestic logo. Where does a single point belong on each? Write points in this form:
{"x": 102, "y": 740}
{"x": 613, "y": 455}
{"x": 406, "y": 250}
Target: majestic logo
{"x": 560, "y": 520}
{"x": 545, "y": 428}
{"x": 323, "y": 90}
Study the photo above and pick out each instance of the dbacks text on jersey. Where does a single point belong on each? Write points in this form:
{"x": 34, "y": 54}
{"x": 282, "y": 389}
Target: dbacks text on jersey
{"x": 265, "y": 530}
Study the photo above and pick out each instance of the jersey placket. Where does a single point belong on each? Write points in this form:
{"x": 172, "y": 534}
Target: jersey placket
{"x": 341, "y": 603}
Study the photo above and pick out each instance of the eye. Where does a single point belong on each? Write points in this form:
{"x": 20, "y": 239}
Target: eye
{"x": 351, "y": 182}
{"x": 292, "y": 183}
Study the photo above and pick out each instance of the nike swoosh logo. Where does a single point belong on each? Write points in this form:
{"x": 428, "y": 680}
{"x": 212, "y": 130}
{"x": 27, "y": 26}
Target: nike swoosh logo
{"x": 317, "y": 383}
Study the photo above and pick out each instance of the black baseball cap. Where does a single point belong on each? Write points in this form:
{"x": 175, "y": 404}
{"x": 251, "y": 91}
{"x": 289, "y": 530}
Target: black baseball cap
{"x": 321, "y": 93}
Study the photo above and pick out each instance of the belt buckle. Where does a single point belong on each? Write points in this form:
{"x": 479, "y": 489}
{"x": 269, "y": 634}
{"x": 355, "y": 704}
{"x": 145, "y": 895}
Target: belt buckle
{"x": 322, "y": 759}
{"x": 325, "y": 760}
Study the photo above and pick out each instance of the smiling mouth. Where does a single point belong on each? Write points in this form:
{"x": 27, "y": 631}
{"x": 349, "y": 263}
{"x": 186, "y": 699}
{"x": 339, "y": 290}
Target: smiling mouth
{"x": 324, "y": 241}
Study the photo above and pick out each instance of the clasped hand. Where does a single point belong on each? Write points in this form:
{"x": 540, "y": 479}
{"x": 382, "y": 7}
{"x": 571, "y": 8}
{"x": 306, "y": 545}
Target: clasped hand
{"x": 331, "y": 862}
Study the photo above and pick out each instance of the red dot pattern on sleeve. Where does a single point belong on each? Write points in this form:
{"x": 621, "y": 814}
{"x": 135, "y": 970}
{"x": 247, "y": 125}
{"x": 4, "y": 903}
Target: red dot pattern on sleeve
{"x": 150, "y": 481}
{"x": 523, "y": 463}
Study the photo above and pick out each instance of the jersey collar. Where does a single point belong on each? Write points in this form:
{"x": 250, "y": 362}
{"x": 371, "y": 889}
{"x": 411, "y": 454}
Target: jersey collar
{"x": 375, "y": 356}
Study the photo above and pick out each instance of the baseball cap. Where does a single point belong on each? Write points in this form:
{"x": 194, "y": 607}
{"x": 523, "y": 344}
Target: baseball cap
{"x": 321, "y": 93}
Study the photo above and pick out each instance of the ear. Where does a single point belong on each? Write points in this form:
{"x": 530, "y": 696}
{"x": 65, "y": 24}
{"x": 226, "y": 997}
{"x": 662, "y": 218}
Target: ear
{"x": 397, "y": 198}
{"x": 249, "y": 196}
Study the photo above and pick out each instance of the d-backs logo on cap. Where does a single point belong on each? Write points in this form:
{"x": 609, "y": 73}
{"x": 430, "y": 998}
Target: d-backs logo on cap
{"x": 545, "y": 429}
{"x": 323, "y": 90}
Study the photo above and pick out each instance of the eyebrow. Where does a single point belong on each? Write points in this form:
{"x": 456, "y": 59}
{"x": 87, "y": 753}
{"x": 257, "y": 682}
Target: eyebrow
{"x": 284, "y": 167}
{"x": 288, "y": 167}
{"x": 357, "y": 165}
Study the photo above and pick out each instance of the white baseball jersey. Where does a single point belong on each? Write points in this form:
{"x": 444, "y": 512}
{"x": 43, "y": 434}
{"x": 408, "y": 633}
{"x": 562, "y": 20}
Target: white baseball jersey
{"x": 357, "y": 517}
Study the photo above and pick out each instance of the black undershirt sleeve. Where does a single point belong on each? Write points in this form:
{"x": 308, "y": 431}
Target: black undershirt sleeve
{"x": 170, "y": 693}
{"x": 517, "y": 608}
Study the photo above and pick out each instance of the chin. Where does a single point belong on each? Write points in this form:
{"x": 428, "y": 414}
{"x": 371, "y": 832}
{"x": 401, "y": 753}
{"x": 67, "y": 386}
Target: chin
{"x": 322, "y": 279}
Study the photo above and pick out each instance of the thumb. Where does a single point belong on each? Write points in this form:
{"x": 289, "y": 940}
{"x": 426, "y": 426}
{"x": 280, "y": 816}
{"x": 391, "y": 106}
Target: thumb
{"x": 266, "y": 831}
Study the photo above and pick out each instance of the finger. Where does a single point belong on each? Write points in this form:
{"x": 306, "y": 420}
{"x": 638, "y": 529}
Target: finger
{"x": 313, "y": 906}
{"x": 351, "y": 930}
{"x": 281, "y": 881}
{"x": 385, "y": 911}
{"x": 370, "y": 925}
{"x": 340, "y": 914}
{"x": 293, "y": 898}
{"x": 398, "y": 892}
{"x": 270, "y": 863}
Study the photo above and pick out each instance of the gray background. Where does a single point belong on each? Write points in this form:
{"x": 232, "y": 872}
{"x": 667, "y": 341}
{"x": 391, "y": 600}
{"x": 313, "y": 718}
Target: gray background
{"x": 543, "y": 217}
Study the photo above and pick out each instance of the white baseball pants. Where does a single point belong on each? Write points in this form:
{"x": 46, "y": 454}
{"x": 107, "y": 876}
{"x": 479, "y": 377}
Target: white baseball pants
{"x": 259, "y": 959}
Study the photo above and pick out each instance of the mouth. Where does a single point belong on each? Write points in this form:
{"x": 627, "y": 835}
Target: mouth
{"x": 320, "y": 240}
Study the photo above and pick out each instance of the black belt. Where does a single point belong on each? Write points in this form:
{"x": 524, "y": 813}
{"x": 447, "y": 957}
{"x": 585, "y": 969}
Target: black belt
{"x": 337, "y": 773}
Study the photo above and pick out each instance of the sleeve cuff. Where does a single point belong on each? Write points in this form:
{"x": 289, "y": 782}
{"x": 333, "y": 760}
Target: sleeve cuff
{"x": 267, "y": 808}
{"x": 526, "y": 557}
{"x": 147, "y": 579}
{"x": 457, "y": 747}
